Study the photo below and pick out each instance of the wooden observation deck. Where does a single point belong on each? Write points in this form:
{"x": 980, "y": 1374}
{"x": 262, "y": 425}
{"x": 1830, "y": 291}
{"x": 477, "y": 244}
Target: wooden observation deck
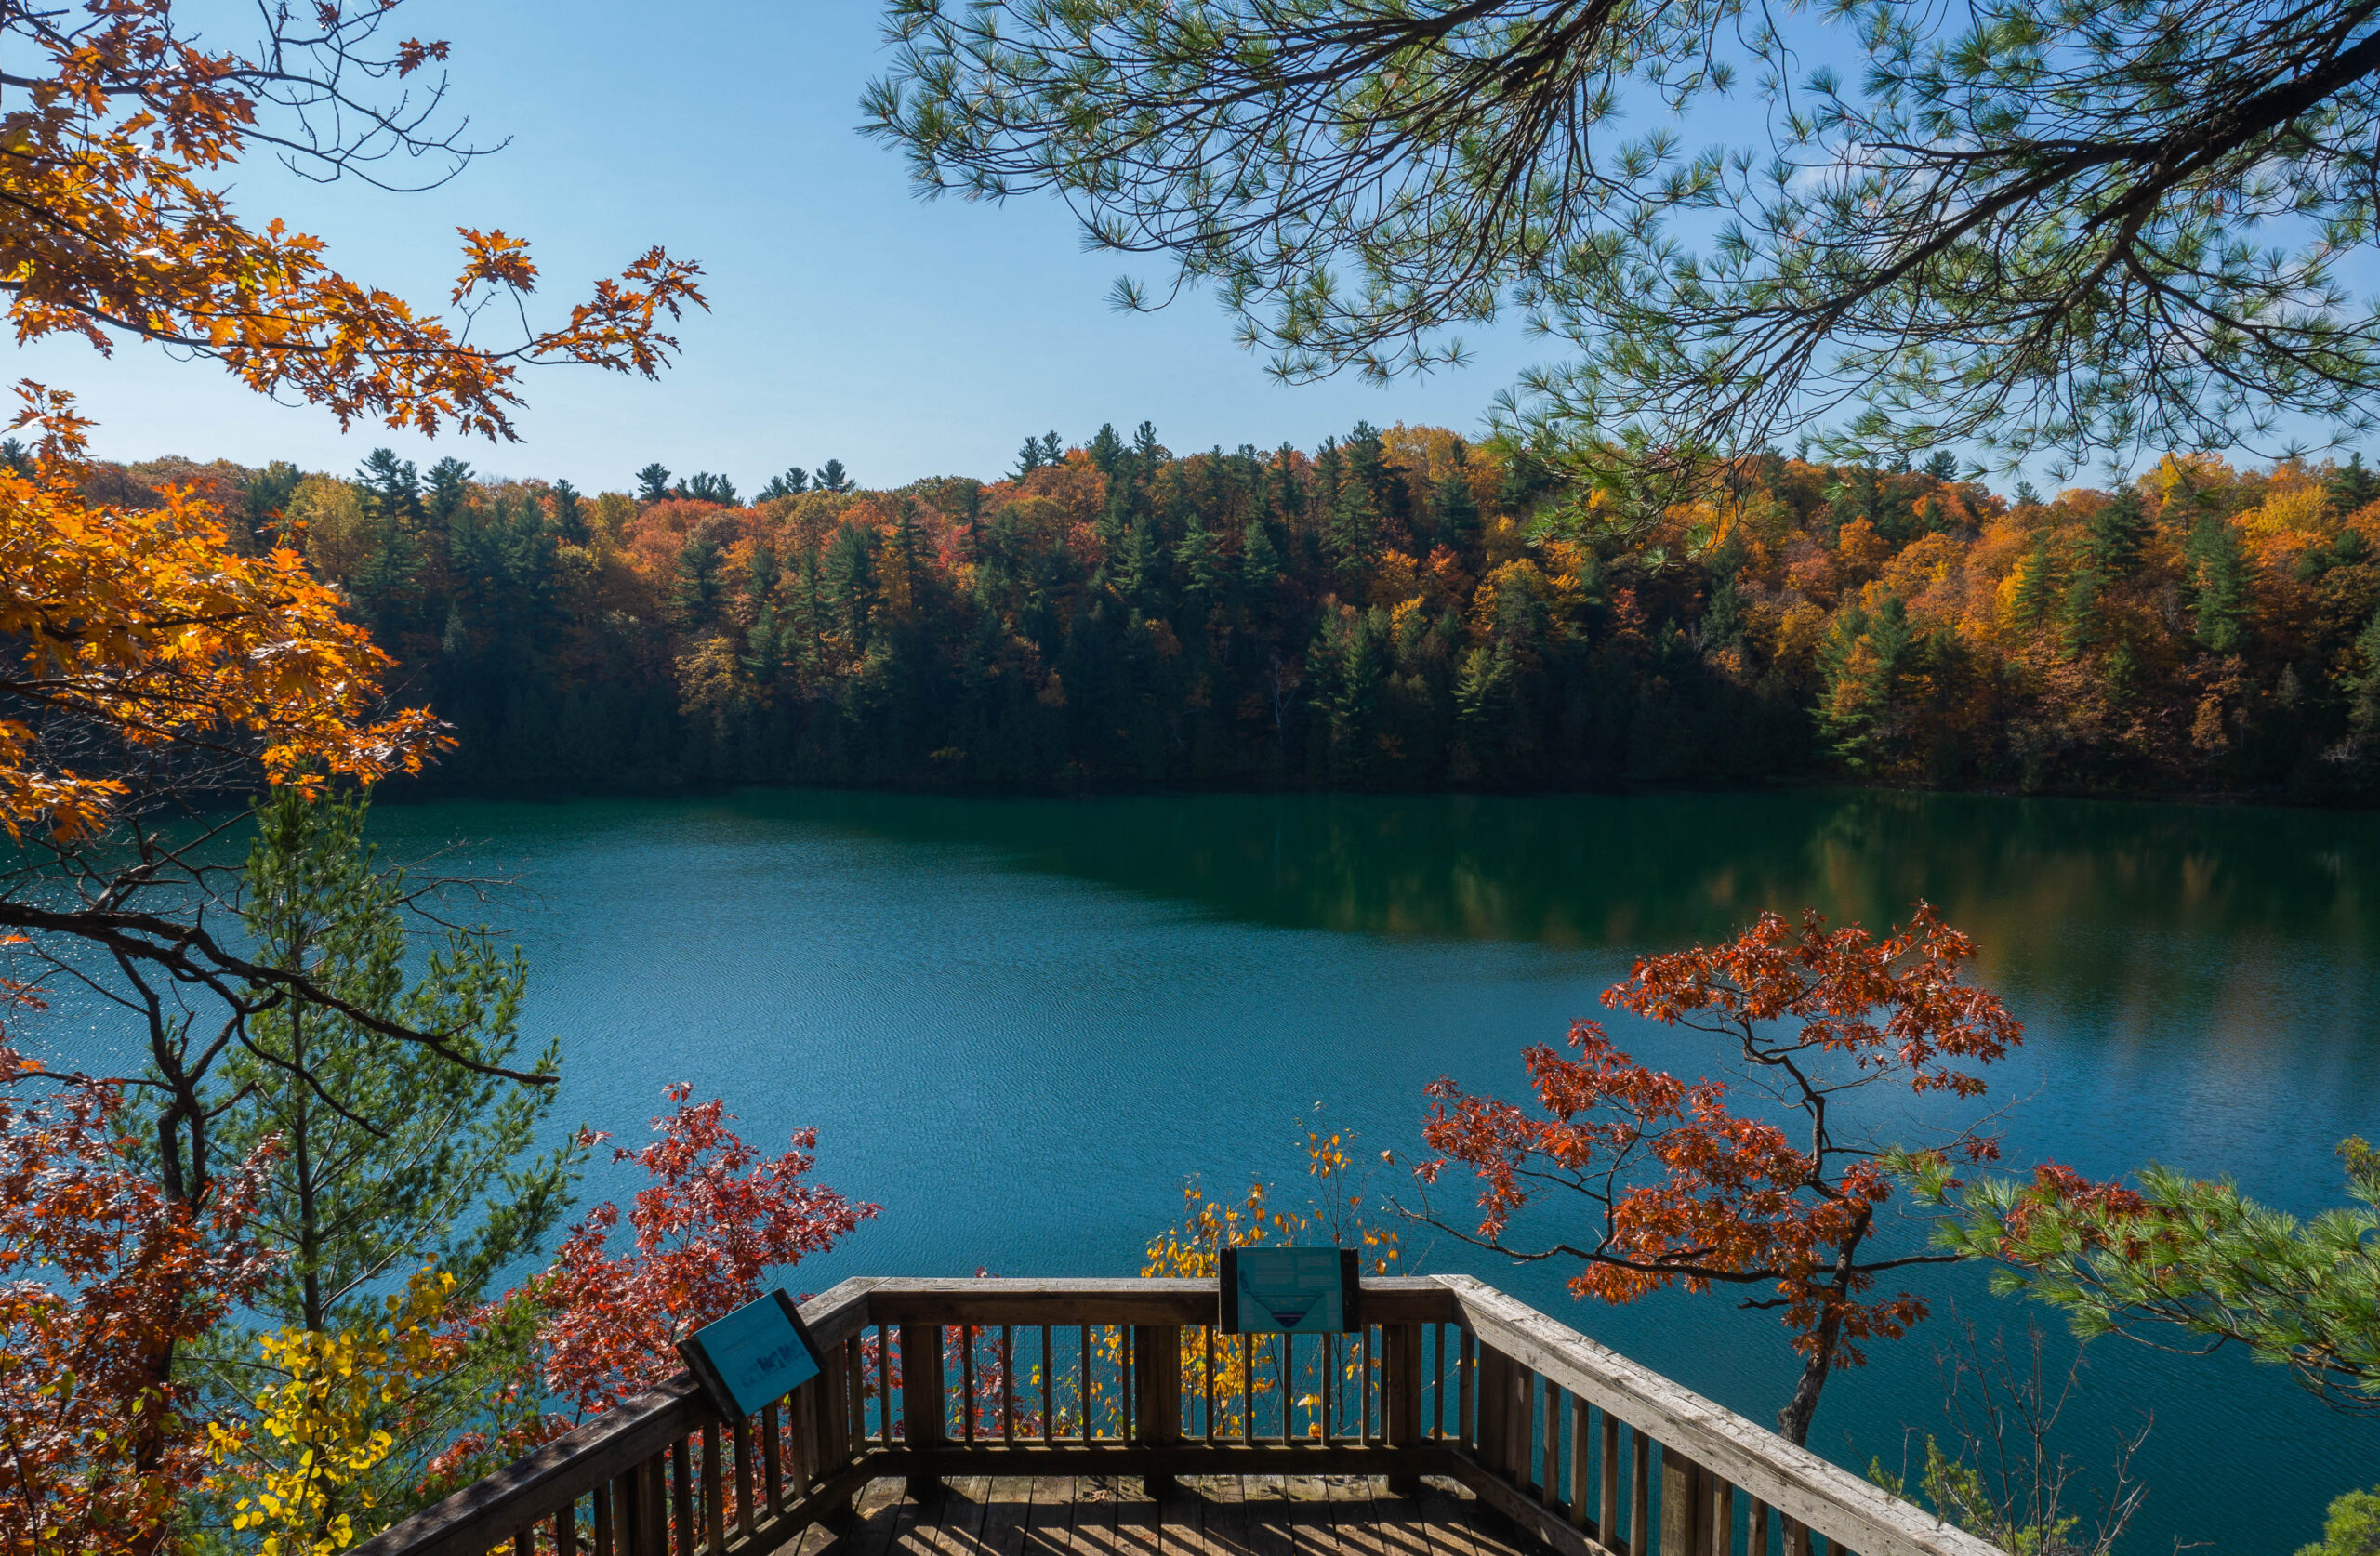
{"x": 1106, "y": 1418}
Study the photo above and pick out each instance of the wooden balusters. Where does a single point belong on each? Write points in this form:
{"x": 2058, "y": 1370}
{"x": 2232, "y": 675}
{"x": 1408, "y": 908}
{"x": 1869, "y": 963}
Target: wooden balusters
{"x": 714, "y": 1492}
{"x": 1581, "y": 1500}
{"x": 682, "y": 1493}
{"x": 1607, "y": 1502}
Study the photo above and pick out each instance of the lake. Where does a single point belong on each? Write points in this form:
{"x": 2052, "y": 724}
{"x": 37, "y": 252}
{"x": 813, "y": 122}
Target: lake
{"x": 1021, "y": 1024}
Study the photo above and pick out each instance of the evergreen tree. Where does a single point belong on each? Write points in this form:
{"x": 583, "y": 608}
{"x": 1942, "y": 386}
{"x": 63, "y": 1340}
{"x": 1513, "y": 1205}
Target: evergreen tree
{"x": 391, "y": 487}
{"x": 705, "y": 487}
{"x": 2218, "y": 583}
{"x": 1259, "y": 562}
{"x": 1458, "y": 514}
{"x": 652, "y": 483}
{"x": 394, "y": 1159}
{"x": 450, "y": 485}
{"x": 792, "y": 484}
{"x": 1107, "y": 448}
{"x": 1943, "y": 465}
{"x": 2036, "y": 586}
{"x": 831, "y": 477}
{"x": 1201, "y": 558}
{"x": 570, "y": 516}
{"x": 2363, "y": 687}
{"x": 698, "y": 578}
{"x": 266, "y": 497}
{"x": 2116, "y": 535}
{"x": 2078, "y": 613}
{"x": 2352, "y": 487}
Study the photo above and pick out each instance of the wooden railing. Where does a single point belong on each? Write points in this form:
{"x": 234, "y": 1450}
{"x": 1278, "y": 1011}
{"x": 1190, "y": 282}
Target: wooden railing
{"x": 1591, "y": 1453}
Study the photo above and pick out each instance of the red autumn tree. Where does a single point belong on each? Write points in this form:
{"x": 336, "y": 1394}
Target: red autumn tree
{"x": 1684, "y": 1188}
{"x": 716, "y": 1220}
{"x": 101, "y": 1276}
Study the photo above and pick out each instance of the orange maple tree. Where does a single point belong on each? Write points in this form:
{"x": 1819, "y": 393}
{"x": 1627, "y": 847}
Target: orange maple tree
{"x": 101, "y": 1275}
{"x": 717, "y": 1218}
{"x": 1683, "y": 1187}
{"x": 113, "y": 219}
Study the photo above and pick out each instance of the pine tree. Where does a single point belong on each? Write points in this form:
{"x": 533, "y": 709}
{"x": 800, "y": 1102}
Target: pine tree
{"x": 1107, "y": 448}
{"x": 2363, "y": 687}
{"x": 570, "y": 516}
{"x": 792, "y": 484}
{"x": 266, "y": 495}
{"x": 393, "y": 1158}
{"x": 699, "y": 583}
{"x": 831, "y": 477}
{"x": 2078, "y": 614}
{"x": 1458, "y": 514}
{"x": 2036, "y": 586}
{"x": 392, "y": 486}
{"x": 2353, "y": 488}
{"x": 2217, "y": 584}
{"x": 652, "y": 483}
{"x": 2116, "y": 535}
{"x": 449, "y": 487}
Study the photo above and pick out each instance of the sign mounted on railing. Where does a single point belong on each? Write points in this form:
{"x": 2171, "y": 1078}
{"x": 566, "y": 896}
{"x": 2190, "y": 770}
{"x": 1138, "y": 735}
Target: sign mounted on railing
{"x": 1290, "y": 1291}
{"x": 753, "y": 1357}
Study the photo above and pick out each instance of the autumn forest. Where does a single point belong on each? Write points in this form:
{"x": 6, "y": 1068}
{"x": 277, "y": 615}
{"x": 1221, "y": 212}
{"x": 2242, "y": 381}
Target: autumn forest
{"x": 1396, "y": 609}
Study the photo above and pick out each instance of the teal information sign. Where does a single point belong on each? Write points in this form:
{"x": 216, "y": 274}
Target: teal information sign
{"x": 753, "y": 1357}
{"x": 1290, "y": 1291}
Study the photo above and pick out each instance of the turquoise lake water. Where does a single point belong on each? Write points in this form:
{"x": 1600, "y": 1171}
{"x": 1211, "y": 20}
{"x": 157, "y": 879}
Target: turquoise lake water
{"x": 1019, "y": 1025}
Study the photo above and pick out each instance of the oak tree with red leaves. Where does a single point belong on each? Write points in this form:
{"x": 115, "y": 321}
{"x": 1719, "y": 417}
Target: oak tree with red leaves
{"x": 102, "y": 1276}
{"x": 716, "y": 1221}
{"x": 1686, "y": 1189}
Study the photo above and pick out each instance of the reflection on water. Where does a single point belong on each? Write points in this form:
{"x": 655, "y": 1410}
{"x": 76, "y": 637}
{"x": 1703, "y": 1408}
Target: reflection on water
{"x": 1019, "y": 1024}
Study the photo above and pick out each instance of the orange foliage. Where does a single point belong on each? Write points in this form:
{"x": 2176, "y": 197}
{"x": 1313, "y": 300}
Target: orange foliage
{"x": 115, "y": 221}
{"x": 100, "y": 1279}
{"x": 146, "y": 624}
{"x": 1681, "y": 1188}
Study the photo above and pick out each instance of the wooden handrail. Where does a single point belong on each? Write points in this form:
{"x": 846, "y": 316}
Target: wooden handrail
{"x": 541, "y": 1484}
{"x": 801, "y": 1459}
{"x": 1854, "y": 1513}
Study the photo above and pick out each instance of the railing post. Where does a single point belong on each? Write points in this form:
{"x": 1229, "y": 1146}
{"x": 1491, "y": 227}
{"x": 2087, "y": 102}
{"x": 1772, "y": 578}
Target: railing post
{"x": 1401, "y": 1398}
{"x": 1156, "y": 1395}
{"x": 1686, "y": 1512}
{"x": 922, "y": 1408}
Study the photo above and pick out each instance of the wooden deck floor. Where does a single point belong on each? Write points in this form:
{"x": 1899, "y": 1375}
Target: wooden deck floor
{"x": 1214, "y": 1515}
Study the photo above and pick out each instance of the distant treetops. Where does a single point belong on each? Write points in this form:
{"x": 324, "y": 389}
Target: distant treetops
{"x": 1396, "y": 608}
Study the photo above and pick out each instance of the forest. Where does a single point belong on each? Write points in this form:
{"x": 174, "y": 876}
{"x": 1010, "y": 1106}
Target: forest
{"x": 1396, "y": 609}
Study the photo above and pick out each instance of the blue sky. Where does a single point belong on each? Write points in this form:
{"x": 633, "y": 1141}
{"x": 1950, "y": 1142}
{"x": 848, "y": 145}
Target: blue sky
{"x": 848, "y": 319}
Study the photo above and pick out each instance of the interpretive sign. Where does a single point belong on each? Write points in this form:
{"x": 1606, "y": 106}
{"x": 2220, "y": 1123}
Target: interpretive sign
{"x": 1290, "y": 1291}
{"x": 754, "y": 1356}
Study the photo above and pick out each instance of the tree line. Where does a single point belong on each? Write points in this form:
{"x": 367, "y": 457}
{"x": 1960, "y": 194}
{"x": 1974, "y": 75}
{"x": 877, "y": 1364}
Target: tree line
{"x": 1396, "y": 609}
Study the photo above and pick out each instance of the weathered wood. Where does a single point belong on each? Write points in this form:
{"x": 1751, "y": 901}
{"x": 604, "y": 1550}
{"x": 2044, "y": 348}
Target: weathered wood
{"x": 816, "y": 1448}
{"x": 681, "y": 1497}
{"x": 1184, "y": 1303}
{"x": 1548, "y": 1489}
{"x": 742, "y": 1432}
{"x": 1533, "y": 1516}
{"x": 921, "y": 1388}
{"x": 1607, "y": 1502}
{"x": 1640, "y": 1498}
{"x": 1110, "y": 1456}
{"x": 1156, "y": 1395}
{"x": 714, "y": 1492}
{"x": 1581, "y": 1493}
{"x": 1836, "y": 1503}
{"x": 1680, "y": 1501}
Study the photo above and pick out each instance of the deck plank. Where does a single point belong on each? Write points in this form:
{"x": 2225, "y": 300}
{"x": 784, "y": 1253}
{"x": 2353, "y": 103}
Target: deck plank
{"x": 1223, "y": 1521}
{"x": 1008, "y": 1504}
{"x": 1049, "y": 1522}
